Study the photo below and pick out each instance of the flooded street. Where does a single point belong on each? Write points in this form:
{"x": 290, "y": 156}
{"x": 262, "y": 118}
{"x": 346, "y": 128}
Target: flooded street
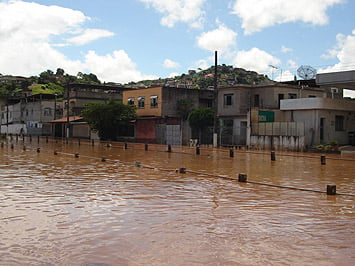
{"x": 63, "y": 210}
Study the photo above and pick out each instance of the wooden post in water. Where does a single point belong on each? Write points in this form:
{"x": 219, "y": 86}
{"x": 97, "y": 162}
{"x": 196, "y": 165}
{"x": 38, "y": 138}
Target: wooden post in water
{"x": 182, "y": 170}
{"x": 273, "y": 156}
{"x": 242, "y": 177}
{"x": 146, "y": 147}
{"x": 92, "y": 142}
{"x": 331, "y": 189}
{"x": 125, "y": 146}
{"x": 169, "y": 148}
{"x": 322, "y": 159}
{"x": 231, "y": 153}
{"x": 198, "y": 150}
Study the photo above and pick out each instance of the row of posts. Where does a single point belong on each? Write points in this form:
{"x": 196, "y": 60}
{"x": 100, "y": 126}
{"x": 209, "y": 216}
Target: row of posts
{"x": 198, "y": 152}
{"x": 331, "y": 189}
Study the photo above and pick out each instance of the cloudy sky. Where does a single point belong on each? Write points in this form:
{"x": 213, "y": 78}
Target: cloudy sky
{"x": 131, "y": 40}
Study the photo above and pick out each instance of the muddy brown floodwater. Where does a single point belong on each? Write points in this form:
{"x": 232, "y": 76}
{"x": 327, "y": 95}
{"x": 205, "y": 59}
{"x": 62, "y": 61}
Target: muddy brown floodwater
{"x": 63, "y": 210}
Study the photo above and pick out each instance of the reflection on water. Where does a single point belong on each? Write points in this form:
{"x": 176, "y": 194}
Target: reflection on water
{"x": 62, "y": 210}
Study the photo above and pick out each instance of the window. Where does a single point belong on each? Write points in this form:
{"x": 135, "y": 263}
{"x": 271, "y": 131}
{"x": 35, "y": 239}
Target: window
{"x": 141, "y": 102}
{"x": 292, "y": 96}
{"x": 228, "y": 123}
{"x": 47, "y": 111}
{"x": 153, "y": 101}
{"x": 339, "y": 123}
{"x": 256, "y": 100}
{"x": 228, "y": 99}
{"x": 311, "y": 96}
{"x": 130, "y": 101}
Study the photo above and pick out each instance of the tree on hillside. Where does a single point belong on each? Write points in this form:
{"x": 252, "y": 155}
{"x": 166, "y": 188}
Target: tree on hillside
{"x": 109, "y": 119}
{"x": 200, "y": 119}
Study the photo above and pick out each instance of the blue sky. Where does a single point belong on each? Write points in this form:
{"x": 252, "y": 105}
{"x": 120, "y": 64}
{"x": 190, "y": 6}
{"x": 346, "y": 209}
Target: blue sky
{"x": 131, "y": 40}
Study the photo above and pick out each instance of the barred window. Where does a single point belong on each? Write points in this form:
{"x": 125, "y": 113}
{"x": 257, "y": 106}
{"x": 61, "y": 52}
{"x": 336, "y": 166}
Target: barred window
{"x": 141, "y": 100}
{"x": 339, "y": 123}
{"x": 228, "y": 99}
{"x": 154, "y": 101}
{"x": 130, "y": 101}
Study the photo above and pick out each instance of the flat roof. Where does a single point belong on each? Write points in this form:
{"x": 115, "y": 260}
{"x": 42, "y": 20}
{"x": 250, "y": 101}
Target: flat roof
{"x": 342, "y": 79}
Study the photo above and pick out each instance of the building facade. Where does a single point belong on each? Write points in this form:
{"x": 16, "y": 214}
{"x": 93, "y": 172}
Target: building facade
{"x": 159, "y": 120}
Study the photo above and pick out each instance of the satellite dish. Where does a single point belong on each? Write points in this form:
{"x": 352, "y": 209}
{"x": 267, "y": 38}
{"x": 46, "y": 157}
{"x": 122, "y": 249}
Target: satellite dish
{"x": 306, "y": 72}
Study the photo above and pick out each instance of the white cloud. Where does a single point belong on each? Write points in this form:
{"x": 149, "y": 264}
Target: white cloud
{"x": 284, "y": 76}
{"x": 187, "y": 11}
{"x": 344, "y": 52}
{"x": 220, "y": 39}
{"x": 257, "y": 14}
{"x": 90, "y": 35}
{"x": 291, "y": 64}
{"x": 203, "y": 63}
{"x": 256, "y": 60}
{"x": 174, "y": 74}
{"x": 170, "y": 64}
{"x": 285, "y": 49}
{"x": 114, "y": 67}
{"x": 26, "y": 32}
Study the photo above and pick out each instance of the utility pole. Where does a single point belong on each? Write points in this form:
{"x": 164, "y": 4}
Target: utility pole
{"x": 67, "y": 107}
{"x": 215, "y": 94}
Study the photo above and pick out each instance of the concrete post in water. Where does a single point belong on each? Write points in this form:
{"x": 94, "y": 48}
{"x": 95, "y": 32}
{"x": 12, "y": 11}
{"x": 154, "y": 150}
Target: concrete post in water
{"x": 331, "y": 189}
{"x": 197, "y": 150}
{"x": 169, "y": 148}
{"x": 273, "y": 156}
{"x": 242, "y": 177}
{"x": 146, "y": 147}
{"x": 322, "y": 159}
{"x": 231, "y": 153}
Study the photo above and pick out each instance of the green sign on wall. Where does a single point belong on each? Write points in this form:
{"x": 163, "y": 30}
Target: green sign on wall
{"x": 266, "y": 116}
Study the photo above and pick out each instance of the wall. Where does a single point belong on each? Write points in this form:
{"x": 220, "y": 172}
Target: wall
{"x": 284, "y": 143}
{"x": 147, "y": 110}
{"x": 81, "y": 130}
{"x": 171, "y": 96}
{"x": 14, "y": 129}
